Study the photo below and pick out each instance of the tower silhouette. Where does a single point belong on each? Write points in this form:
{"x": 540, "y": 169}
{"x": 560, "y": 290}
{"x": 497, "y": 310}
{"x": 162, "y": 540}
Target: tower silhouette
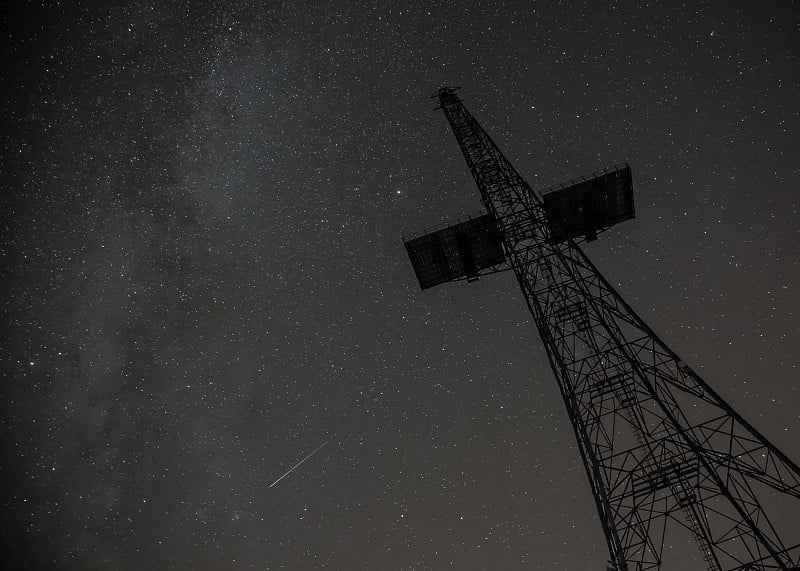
{"x": 663, "y": 451}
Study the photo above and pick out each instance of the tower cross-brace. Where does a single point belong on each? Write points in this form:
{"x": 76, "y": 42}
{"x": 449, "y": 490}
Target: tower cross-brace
{"x": 662, "y": 450}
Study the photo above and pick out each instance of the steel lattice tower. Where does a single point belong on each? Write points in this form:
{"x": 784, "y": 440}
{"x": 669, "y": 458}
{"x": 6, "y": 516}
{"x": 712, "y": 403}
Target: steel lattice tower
{"x": 661, "y": 448}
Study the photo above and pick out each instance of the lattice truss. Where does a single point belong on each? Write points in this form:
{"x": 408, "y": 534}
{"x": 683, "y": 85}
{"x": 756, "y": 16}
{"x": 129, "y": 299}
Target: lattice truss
{"x": 663, "y": 452}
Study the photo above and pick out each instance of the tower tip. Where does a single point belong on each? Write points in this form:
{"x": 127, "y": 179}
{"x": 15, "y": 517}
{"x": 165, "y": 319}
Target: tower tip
{"x": 445, "y": 89}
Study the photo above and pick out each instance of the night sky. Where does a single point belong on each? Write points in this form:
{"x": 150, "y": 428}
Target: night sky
{"x": 204, "y": 278}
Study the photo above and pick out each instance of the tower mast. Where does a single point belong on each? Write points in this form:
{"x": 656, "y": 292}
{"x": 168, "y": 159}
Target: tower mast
{"x": 662, "y": 450}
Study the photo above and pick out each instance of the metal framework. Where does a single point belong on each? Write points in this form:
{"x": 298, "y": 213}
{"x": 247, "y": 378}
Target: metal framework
{"x": 662, "y": 450}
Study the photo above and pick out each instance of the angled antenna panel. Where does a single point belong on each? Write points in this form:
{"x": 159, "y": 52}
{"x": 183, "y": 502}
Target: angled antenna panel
{"x": 460, "y": 251}
{"x": 589, "y": 206}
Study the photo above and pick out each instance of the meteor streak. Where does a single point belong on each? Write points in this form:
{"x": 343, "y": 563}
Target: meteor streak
{"x": 290, "y": 470}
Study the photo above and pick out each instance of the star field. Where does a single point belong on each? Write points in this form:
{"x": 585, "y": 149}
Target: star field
{"x": 202, "y": 210}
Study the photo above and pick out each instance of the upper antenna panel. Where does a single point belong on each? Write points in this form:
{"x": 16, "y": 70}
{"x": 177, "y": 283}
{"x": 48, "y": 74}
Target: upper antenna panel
{"x": 589, "y": 206}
